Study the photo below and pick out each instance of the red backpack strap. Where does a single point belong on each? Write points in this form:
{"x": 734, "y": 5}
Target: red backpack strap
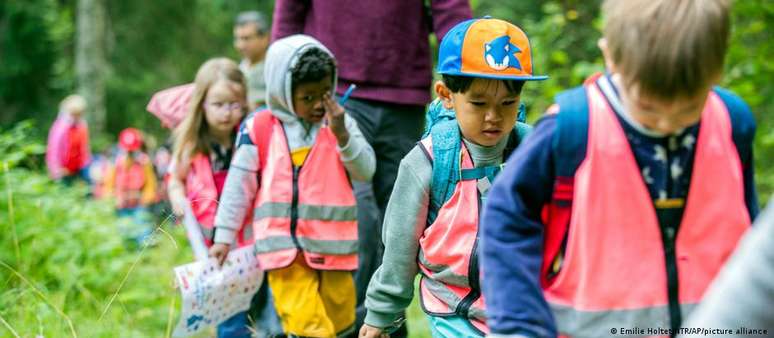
{"x": 260, "y": 133}
{"x": 569, "y": 150}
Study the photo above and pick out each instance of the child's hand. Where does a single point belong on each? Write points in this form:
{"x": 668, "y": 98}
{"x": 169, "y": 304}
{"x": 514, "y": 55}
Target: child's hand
{"x": 177, "y": 200}
{"x": 368, "y": 331}
{"x": 220, "y": 252}
{"x": 334, "y": 114}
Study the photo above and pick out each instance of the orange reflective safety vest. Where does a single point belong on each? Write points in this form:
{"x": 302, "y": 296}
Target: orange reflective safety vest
{"x": 129, "y": 180}
{"x": 614, "y": 272}
{"x": 447, "y": 253}
{"x": 202, "y": 192}
{"x": 310, "y": 208}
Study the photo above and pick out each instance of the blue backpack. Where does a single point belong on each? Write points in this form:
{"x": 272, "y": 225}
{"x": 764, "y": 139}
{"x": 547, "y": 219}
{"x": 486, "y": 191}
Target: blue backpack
{"x": 441, "y": 125}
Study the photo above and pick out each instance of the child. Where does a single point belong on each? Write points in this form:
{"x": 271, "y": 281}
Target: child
{"x": 204, "y": 142}
{"x": 99, "y": 169}
{"x": 626, "y": 200}
{"x": 132, "y": 181}
{"x": 67, "y": 153}
{"x": 203, "y": 147}
{"x": 304, "y": 149}
{"x": 431, "y": 223}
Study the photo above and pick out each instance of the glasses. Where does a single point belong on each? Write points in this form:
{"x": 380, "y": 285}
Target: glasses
{"x": 229, "y": 106}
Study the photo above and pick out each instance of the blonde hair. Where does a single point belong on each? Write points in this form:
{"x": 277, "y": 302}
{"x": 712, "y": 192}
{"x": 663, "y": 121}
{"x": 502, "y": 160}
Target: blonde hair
{"x": 670, "y": 48}
{"x": 73, "y": 103}
{"x": 192, "y": 135}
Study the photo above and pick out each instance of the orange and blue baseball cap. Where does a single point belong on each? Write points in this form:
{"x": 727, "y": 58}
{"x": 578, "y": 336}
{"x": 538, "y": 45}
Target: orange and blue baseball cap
{"x": 487, "y": 48}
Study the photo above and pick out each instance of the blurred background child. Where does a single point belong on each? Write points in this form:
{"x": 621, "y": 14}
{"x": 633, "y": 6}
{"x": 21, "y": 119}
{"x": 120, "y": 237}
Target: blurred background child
{"x": 132, "y": 181}
{"x": 67, "y": 153}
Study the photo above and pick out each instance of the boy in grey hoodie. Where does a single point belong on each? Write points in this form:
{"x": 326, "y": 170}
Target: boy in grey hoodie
{"x": 296, "y": 161}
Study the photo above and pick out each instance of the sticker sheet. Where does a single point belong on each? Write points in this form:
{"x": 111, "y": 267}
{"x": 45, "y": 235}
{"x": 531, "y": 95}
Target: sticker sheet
{"x": 212, "y": 294}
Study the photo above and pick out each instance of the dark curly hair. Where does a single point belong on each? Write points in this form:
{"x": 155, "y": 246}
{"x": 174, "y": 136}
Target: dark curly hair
{"x": 313, "y": 65}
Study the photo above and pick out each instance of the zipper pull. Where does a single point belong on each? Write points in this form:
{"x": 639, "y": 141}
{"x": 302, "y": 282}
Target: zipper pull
{"x": 669, "y": 245}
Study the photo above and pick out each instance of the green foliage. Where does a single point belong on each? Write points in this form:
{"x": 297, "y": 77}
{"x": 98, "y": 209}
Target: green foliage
{"x": 749, "y": 71}
{"x": 156, "y": 45}
{"x": 62, "y": 259}
{"x": 151, "y": 45}
{"x": 35, "y": 62}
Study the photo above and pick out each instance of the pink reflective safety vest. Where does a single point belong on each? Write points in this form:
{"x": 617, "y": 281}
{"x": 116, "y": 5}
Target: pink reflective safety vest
{"x": 309, "y": 208}
{"x": 129, "y": 180}
{"x": 203, "y": 193}
{"x": 447, "y": 253}
{"x": 614, "y": 273}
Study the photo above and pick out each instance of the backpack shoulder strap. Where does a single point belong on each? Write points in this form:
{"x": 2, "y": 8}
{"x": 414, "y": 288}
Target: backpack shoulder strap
{"x": 446, "y": 140}
{"x": 742, "y": 121}
{"x": 436, "y": 113}
{"x": 446, "y": 149}
{"x": 572, "y": 128}
{"x": 260, "y": 133}
{"x": 569, "y": 150}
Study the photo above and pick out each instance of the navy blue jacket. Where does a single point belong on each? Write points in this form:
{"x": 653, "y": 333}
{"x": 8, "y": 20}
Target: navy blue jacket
{"x": 512, "y": 231}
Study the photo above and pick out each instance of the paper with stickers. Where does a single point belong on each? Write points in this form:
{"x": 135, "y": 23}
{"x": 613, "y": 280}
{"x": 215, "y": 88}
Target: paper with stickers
{"x": 212, "y": 294}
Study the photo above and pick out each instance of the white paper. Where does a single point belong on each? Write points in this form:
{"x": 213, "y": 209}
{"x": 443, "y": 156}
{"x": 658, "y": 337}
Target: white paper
{"x": 211, "y": 294}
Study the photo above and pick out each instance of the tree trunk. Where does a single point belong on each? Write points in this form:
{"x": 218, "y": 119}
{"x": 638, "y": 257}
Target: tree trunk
{"x": 90, "y": 60}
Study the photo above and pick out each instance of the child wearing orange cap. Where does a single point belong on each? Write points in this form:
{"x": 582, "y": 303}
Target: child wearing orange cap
{"x": 132, "y": 181}
{"x": 431, "y": 222}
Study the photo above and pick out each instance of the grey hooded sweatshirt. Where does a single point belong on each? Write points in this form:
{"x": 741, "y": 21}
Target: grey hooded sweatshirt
{"x": 241, "y": 183}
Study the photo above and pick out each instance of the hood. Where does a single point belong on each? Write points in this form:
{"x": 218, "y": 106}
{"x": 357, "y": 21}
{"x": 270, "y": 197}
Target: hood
{"x": 281, "y": 57}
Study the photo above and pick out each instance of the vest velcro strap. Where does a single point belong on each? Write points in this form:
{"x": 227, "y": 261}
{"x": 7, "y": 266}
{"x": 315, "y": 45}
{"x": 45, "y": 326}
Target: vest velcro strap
{"x": 669, "y": 203}
{"x": 307, "y": 211}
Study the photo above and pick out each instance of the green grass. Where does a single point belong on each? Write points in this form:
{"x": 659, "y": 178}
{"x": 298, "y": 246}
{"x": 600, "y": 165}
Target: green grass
{"x": 74, "y": 269}
{"x": 65, "y": 270}
{"x": 416, "y": 318}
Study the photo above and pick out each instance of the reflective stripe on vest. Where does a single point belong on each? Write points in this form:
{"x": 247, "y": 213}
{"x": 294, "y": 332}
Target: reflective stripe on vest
{"x": 614, "y": 269}
{"x": 323, "y": 212}
{"x": 446, "y": 250}
{"x": 594, "y": 324}
{"x": 203, "y": 196}
{"x": 318, "y": 212}
{"x": 442, "y": 299}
